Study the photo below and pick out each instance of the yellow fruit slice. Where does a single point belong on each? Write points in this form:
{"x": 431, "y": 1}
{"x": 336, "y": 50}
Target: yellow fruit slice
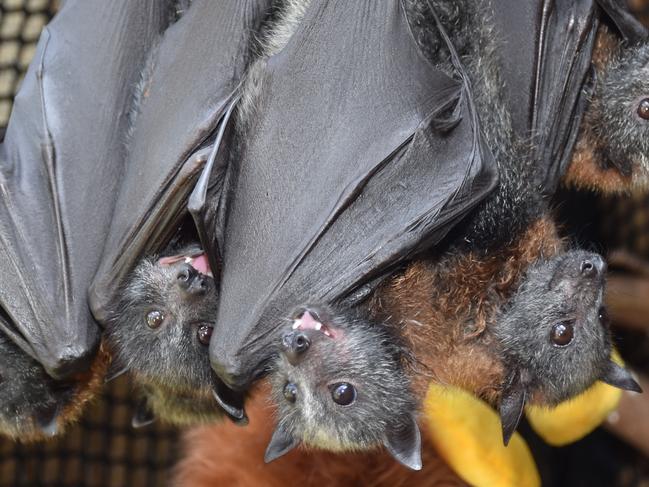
{"x": 467, "y": 433}
{"x": 573, "y": 419}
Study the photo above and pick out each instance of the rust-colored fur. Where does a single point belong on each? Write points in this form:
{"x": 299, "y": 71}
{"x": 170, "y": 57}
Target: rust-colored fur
{"x": 444, "y": 308}
{"x": 227, "y": 455}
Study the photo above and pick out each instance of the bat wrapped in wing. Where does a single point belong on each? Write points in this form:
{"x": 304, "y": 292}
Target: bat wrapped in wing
{"x": 60, "y": 165}
{"x": 188, "y": 87}
{"x": 357, "y": 154}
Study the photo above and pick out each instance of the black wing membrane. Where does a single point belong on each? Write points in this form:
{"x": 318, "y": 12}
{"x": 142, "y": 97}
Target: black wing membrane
{"x": 546, "y": 47}
{"x": 546, "y": 50}
{"x": 60, "y": 166}
{"x": 194, "y": 79}
{"x": 360, "y": 153}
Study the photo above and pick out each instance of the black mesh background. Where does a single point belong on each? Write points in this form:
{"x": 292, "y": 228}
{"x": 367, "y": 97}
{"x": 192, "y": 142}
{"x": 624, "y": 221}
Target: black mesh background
{"x": 103, "y": 449}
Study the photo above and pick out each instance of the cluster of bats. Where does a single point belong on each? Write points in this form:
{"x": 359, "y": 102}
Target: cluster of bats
{"x": 348, "y": 198}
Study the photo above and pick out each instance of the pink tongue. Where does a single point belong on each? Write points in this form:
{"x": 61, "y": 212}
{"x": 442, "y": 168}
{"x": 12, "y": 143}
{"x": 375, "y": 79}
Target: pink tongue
{"x": 201, "y": 264}
{"x": 308, "y": 322}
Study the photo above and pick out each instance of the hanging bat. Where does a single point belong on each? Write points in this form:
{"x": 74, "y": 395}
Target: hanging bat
{"x": 175, "y": 164}
{"x": 63, "y": 142}
{"x": 160, "y": 331}
{"x": 312, "y": 214}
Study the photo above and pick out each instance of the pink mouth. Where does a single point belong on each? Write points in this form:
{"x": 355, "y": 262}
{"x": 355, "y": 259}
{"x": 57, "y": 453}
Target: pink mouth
{"x": 198, "y": 262}
{"x": 308, "y": 322}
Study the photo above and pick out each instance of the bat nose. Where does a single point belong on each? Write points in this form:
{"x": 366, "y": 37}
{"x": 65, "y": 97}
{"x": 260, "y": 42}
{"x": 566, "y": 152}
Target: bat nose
{"x": 294, "y": 345}
{"x": 593, "y": 266}
{"x": 190, "y": 280}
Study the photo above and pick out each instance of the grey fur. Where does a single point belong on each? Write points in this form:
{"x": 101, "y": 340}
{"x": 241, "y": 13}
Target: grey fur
{"x": 612, "y": 117}
{"x": 169, "y": 362}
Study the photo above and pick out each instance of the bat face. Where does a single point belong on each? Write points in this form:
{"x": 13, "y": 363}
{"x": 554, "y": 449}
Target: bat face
{"x": 161, "y": 333}
{"x": 620, "y": 114}
{"x": 339, "y": 384}
{"x": 556, "y": 328}
{"x": 555, "y": 335}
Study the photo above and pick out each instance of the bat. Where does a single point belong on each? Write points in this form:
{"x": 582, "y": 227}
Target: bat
{"x": 316, "y": 215}
{"x": 160, "y": 331}
{"x": 63, "y": 141}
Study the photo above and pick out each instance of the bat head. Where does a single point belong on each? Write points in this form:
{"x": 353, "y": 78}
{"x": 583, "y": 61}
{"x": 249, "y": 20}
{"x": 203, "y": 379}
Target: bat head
{"x": 339, "y": 384}
{"x": 555, "y": 335}
{"x": 161, "y": 330}
{"x": 619, "y": 115}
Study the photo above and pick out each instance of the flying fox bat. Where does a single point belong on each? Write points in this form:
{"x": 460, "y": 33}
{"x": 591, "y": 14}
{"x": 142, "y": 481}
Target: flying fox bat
{"x": 321, "y": 199}
{"x": 160, "y": 332}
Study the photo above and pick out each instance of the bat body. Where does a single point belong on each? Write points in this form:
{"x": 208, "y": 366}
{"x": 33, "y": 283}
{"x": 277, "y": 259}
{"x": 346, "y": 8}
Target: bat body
{"x": 307, "y": 242}
{"x": 160, "y": 331}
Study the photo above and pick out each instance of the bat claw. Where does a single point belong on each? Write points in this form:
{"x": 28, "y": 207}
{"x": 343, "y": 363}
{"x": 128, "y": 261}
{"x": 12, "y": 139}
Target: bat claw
{"x": 236, "y": 414}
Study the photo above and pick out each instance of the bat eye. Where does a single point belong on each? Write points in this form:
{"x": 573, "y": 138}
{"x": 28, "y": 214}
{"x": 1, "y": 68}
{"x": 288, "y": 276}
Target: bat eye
{"x": 204, "y": 333}
{"x": 562, "y": 334}
{"x": 604, "y": 318}
{"x": 154, "y": 319}
{"x": 343, "y": 393}
{"x": 290, "y": 392}
{"x": 643, "y": 109}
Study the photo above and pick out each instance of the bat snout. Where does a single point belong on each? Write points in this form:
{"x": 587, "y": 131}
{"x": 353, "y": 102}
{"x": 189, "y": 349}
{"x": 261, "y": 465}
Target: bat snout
{"x": 190, "y": 281}
{"x": 294, "y": 345}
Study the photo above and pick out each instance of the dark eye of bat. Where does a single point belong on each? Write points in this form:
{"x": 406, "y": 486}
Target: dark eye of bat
{"x": 343, "y": 393}
{"x": 562, "y": 334}
{"x": 604, "y": 319}
{"x": 290, "y": 392}
{"x": 204, "y": 333}
{"x": 643, "y": 109}
{"x": 154, "y": 319}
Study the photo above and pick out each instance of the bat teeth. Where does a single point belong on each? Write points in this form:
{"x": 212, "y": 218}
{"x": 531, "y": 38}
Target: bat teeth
{"x": 296, "y": 324}
{"x": 318, "y": 327}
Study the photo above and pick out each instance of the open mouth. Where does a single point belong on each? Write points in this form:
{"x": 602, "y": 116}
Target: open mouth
{"x": 198, "y": 261}
{"x": 310, "y": 321}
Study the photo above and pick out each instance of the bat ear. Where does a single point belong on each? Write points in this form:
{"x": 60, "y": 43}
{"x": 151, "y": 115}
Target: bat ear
{"x": 280, "y": 444}
{"x": 511, "y": 406}
{"x": 143, "y": 416}
{"x": 404, "y": 443}
{"x": 619, "y": 377}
